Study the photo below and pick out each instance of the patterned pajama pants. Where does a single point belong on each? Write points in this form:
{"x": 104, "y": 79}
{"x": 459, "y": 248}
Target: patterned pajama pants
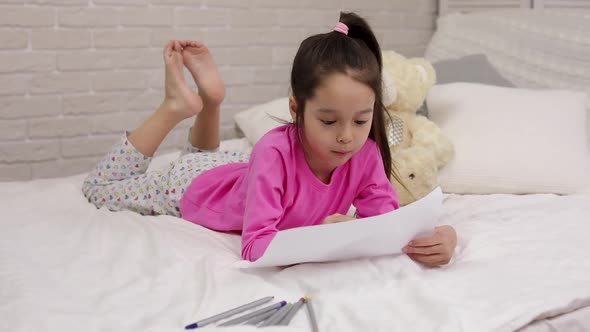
{"x": 120, "y": 181}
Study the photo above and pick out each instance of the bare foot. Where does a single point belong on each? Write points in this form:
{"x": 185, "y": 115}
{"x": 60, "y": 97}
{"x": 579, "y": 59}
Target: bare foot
{"x": 182, "y": 100}
{"x": 200, "y": 64}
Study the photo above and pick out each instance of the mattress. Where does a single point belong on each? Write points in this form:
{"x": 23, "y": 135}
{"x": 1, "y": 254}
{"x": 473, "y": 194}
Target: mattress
{"x": 65, "y": 265}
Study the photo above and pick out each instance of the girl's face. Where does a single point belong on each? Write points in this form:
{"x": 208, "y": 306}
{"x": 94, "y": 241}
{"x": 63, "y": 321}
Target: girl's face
{"x": 337, "y": 122}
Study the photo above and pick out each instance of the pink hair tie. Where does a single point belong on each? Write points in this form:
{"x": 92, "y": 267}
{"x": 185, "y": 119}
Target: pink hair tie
{"x": 342, "y": 28}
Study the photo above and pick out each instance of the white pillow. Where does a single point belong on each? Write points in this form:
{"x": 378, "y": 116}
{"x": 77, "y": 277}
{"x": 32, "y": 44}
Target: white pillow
{"x": 257, "y": 121}
{"x": 512, "y": 141}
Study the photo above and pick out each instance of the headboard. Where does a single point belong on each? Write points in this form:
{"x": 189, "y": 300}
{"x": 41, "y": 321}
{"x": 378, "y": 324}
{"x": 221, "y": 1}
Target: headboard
{"x": 531, "y": 48}
{"x": 453, "y": 6}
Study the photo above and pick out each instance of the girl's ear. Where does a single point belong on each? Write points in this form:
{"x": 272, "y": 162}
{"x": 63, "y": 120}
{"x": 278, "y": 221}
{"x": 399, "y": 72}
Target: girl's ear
{"x": 293, "y": 108}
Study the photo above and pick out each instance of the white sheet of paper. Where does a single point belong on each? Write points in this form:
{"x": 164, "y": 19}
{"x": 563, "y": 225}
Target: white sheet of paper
{"x": 374, "y": 236}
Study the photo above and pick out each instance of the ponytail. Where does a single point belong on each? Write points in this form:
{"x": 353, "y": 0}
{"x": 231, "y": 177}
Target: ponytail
{"x": 360, "y": 30}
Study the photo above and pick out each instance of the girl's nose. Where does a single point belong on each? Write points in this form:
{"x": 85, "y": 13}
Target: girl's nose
{"x": 345, "y": 136}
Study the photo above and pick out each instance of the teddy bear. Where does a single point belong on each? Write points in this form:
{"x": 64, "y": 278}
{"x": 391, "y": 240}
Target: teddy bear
{"x": 418, "y": 146}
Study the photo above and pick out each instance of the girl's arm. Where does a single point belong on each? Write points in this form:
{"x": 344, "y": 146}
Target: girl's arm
{"x": 377, "y": 196}
{"x": 376, "y": 193}
{"x": 264, "y": 208}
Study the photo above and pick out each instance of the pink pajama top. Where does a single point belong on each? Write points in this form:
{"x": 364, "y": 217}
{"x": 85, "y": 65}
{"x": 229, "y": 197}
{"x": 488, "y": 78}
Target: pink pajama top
{"x": 276, "y": 190}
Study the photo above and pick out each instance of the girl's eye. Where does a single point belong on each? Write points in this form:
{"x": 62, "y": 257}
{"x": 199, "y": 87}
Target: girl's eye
{"x": 361, "y": 122}
{"x": 327, "y": 123}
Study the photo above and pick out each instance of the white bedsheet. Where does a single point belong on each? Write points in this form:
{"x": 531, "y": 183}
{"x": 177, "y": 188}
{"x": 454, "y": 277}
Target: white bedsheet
{"x": 66, "y": 266}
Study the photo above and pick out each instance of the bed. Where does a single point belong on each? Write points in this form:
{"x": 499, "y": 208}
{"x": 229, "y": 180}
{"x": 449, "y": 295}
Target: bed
{"x": 522, "y": 262}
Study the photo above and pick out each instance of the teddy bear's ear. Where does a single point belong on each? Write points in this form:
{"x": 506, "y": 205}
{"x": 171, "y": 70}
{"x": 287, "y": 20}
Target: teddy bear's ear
{"x": 389, "y": 90}
{"x": 422, "y": 71}
{"x": 425, "y": 71}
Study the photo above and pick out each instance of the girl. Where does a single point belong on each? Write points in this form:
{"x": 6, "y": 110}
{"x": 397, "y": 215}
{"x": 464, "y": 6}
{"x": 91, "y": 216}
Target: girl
{"x": 334, "y": 154}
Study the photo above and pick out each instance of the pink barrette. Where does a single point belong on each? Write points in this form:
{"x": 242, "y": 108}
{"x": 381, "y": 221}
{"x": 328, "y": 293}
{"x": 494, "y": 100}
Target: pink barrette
{"x": 342, "y": 28}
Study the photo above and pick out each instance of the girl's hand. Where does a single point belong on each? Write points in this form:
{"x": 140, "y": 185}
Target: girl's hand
{"x": 436, "y": 250}
{"x": 337, "y": 218}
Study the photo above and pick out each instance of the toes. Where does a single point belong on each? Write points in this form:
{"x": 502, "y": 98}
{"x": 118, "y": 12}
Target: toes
{"x": 168, "y": 49}
{"x": 184, "y": 43}
{"x": 192, "y": 43}
{"x": 200, "y": 45}
{"x": 177, "y": 46}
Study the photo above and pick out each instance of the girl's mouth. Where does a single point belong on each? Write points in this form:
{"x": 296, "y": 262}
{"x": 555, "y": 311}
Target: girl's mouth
{"x": 342, "y": 153}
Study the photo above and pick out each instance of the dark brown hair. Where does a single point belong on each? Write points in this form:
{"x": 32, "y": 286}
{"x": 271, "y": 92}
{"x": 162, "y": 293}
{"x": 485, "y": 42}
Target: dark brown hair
{"x": 357, "y": 55}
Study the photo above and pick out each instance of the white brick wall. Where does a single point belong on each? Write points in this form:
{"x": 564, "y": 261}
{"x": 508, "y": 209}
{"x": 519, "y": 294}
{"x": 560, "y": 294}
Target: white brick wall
{"x": 75, "y": 73}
